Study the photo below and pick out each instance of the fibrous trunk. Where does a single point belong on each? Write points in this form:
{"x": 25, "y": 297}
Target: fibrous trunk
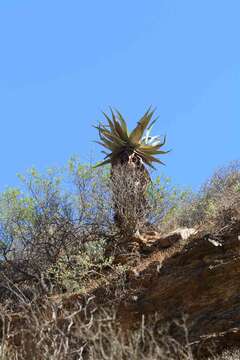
{"x": 129, "y": 179}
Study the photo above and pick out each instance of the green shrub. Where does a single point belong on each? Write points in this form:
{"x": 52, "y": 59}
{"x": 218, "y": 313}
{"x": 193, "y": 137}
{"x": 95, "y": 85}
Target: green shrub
{"x": 217, "y": 203}
{"x": 66, "y": 214}
{"x": 166, "y": 200}
{"x": 51, "y": 214}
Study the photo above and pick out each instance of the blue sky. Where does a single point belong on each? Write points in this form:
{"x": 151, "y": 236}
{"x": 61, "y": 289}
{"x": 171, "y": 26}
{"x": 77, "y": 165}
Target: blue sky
{"x": 63, "y": 62}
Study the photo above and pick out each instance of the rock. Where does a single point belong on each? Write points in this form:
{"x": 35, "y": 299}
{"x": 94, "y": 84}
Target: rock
{"x": 201, "y": 280}
{"x": 149, "y": 240}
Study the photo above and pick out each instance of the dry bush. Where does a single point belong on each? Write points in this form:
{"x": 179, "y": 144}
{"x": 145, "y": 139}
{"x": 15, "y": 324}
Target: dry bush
{"x": 222, "y": 194}
{"x": 65, "y": 234}
{"x": 217, "y": 203}
{"x": 228, "y": 355}
{"x": 52, "y": 220}
{"x": 44, "y": 330}
{"x": 34, "y": 230}
{"x": 63, "y": 229}
{"x": 165, "y": 201}
{"x": 73, "y": 220}
{"x": 68, "y": 214}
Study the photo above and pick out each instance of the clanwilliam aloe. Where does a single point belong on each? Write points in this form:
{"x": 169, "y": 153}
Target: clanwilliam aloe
{"x": 130, "y": 151}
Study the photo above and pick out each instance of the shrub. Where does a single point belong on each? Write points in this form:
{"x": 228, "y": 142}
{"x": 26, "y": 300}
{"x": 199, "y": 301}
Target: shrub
{"x": 166, "y": 200}
{"x": 66, "y": 215}
{"x": 56, "y": 214}
{"x": 217, "y": 203}
{"x": 45, "y": 330}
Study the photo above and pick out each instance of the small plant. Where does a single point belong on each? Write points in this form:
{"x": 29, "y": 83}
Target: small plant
{"x": 75, "y": 272}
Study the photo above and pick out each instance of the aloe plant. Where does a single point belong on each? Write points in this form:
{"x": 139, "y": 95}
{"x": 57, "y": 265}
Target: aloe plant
{"x": 136, "y": 149}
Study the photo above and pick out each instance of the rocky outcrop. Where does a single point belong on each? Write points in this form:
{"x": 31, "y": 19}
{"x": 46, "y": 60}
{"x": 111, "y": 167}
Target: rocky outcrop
{"x": 185, "y": 275}
{"x": 151, "y": 240}
{"x": 199, "y": 277}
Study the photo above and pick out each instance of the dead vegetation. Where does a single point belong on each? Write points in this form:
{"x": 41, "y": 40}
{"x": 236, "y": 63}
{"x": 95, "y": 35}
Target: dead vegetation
{"x": 56, "y": 244}
{"x": 217, "y": 203}
{"x": 48, "y": 331}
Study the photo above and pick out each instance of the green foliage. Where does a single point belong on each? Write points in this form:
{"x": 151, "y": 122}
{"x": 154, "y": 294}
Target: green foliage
{"x": 78, "y": 192}
{"x": 73, "y": 273}
{"x": 73, "y": 191}
{"x": 217, "y": 202}
{"x": 70, "y": 212}
{"x": 165, "y": 199}
{"x": 116, "y": 138}
{"x": 21, "y": 210}
{"x": 51, "y": 214}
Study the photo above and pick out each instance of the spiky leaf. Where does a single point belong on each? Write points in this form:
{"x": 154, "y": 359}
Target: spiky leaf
{"x": 138, "y": 132}
{"x": 115, "y": 137}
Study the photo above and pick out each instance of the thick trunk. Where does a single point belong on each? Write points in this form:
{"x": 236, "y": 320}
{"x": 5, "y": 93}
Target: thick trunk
{"x": 130, "y": 179}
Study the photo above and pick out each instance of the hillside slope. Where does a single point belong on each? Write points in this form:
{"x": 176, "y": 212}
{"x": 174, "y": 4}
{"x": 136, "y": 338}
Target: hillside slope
{"x": 195, "y": 280}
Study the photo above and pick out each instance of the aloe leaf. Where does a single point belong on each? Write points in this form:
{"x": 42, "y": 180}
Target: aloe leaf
{"x": 117, "y": 126}
{"x": 149, "y": 157}
{"x": 113, "y": 138}
{"x": 152, "y": 151}
{"x": 123, "y": 124}
{"x": 137, "y": 133}
{"x": 153, "y": 122}
{"x": 146, "y": 160}
{"x": 145, "y": 139}
{"x": 102, "y": 144}
{"x": 105, "y": 162}
{"x": 154, "y": 140}
{"x": 111, "y": 125}
{"x": 119, "y": 130}
{"x": 164, "y": 141}
{"x": 109, "y": 144}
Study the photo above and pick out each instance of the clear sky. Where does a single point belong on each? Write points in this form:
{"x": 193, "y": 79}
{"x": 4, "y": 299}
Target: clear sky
{"x": 63, "y": 62}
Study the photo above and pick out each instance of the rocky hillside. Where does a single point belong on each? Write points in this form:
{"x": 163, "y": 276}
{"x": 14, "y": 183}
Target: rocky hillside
{"x": 168, "y": 292}
{"x": 191, "y": 278}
